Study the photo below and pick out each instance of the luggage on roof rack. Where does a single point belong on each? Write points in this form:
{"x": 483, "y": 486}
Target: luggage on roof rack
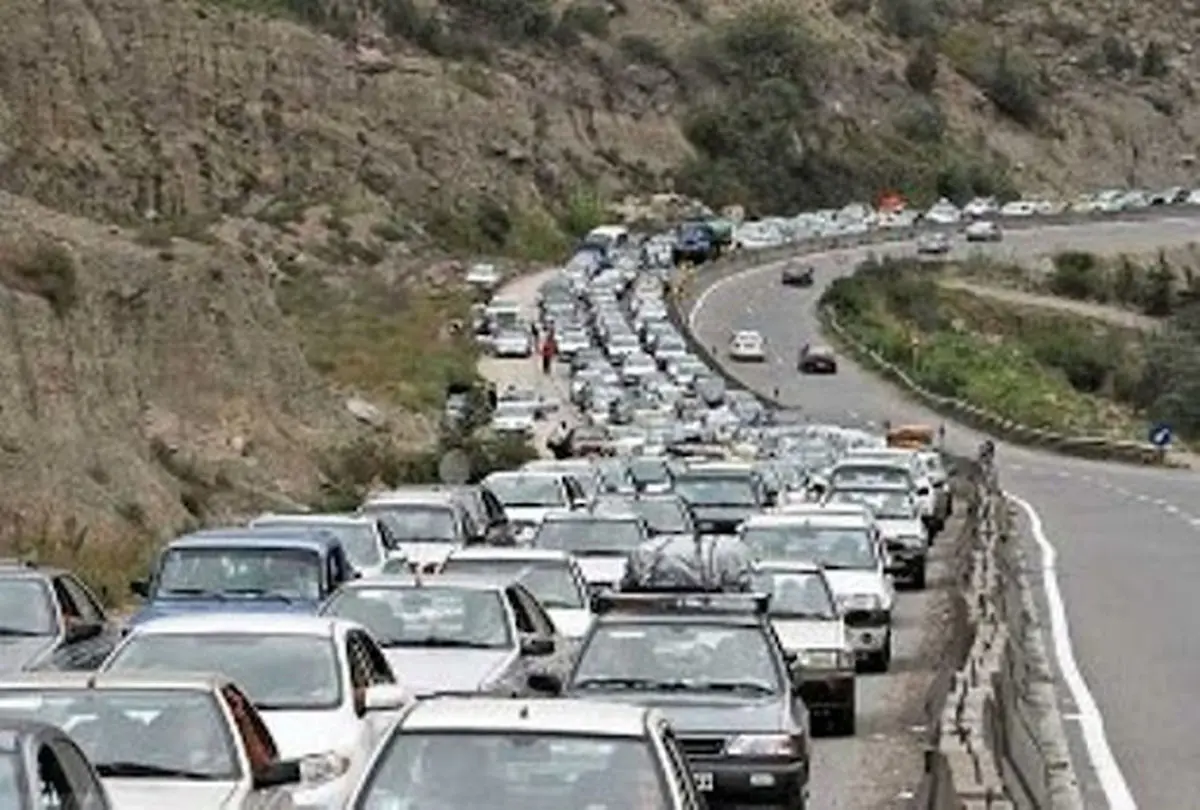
{"x": 689, "y": 564}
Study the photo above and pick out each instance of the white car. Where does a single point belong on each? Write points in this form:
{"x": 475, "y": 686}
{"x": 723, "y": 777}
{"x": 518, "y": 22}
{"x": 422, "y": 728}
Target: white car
{"x": 323, "y": 686}
{"x": 984, "y": 231}
{"x": 456, "y": 752}
{"x": 162, "y": 739}
{"x": 943, "y": 212}
{"x": 935, "y": 244}
{"x": 981, "y": 207}
{"x": 515, "y": 342}
{"x": 747, "y": 345}
{"x": 898, "y": 519}
{"x": 855, "y": 563}
{"x": 529, "y": 496}
{"x": 484, "y": 276}
{"x": 515, "y": 417}
{"x": 804, "y": 613}
{"x": 361, "y": 536}
{"x": 554, "y": 577}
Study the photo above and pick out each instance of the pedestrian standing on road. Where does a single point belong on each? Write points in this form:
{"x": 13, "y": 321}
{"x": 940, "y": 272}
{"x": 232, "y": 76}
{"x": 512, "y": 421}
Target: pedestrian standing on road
{"x": 549, "y": 350}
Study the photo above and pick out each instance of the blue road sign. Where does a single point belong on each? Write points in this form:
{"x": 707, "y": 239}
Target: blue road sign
{"x": 1160, "y": 435}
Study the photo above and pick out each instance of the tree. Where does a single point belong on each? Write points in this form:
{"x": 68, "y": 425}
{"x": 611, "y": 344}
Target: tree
{"x": 922, "y": 69}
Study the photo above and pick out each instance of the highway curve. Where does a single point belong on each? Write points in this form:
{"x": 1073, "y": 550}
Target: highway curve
{"x": 1127, "y": 539}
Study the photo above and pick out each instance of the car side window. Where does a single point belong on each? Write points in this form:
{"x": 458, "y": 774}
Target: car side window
{"x": 260, "y": 746}
{"x": 89, "y": 608}
{"x": 680, "y": 771}
{"x": 54, "y": 788}
{"x": 66, "y": 604}
{"x": 542, "y": 623}
{"x": 79, "y": 775}
{"x": 493, "y": 508}
{"x": 360, "y": 667}
{"x": 378, "y": 669}
{"x": 574, "y": 490}
{"x": 524, "y": 622}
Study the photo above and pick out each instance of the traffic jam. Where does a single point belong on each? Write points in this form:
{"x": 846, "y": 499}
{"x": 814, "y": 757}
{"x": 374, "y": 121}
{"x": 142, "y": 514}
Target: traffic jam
{"x": 661, "y": 616}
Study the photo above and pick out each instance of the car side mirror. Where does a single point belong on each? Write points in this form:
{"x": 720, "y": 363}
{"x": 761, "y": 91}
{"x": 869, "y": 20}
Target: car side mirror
{"x": 537, "y": 646}
{"x": 140, "y": 587}
{"x": 384, "y": 697}
{"x": 579, "y": 503}
{"x": 545, "y": 683}
{"x": 79, "y": 630}
{"x": 278, "y": 774}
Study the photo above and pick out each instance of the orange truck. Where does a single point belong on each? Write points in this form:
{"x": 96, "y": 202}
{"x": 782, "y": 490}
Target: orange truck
{"x": 912, "y": 437}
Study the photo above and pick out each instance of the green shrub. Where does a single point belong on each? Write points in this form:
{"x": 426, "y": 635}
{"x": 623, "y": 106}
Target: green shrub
{"x": 1012, "y": 85}
{"x": 646, "y": 51}
{"x": 909, "y": 19}
{"x": 588, "y": 18}
{"x": 1078, "y": 275}
{"x": 45, "y": 269}
{"x": 922, "y": 69}
{"x": 1118, "y": 55}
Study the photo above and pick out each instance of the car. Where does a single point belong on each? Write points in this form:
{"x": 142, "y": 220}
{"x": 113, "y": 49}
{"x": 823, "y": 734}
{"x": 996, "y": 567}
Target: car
{"x": 365, "y": 539}
{"x": 49, "y": 619}
{"x": 528, "y": 753}
{"x": 747, "y": 346}
{"x": 243, "y": 569}
{"x": 880, "y": 463}
{"x": 322, "y": 686}
{"x": 454, "y": 633}
{"x": 984, "y": 231}
{"x": 806, "y": 618}
{"x": 855, "y": 562}
{"x": 817, "y": 359}
{"x": 665, "y": 513}
{"x": 428, "y": 523}
{"x": 190, "y": 739}
{"x": 601, "y": 542}
{"x": 721, "y": 495}
{"x": 512, "y": 342}
{"x": 42, "y": 768}
{"x": 528, "y": 496}
{"x": 713, "y": 664}
{"x": 553, "y": 577}
{"x": 796, "y": 276}
{"x": 933, "y": 244}
{"x": 898, "y": 518}
{"x": 485, "y": 277}
{"x": 515, "y": 419}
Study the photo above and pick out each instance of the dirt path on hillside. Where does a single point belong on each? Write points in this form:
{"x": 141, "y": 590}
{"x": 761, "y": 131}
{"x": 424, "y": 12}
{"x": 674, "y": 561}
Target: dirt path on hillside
{"x": 1084, "y": 309}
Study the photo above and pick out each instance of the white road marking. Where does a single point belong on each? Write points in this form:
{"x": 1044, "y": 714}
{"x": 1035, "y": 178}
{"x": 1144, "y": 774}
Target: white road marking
{"x": 1112, "y": 780}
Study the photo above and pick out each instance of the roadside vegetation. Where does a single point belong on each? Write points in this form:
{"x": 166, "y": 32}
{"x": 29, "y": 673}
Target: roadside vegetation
{"x": 1036, "y": 367}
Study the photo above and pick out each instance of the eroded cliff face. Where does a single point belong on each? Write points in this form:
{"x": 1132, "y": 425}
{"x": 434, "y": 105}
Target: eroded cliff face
{"x": 116, "y": 108}
{"x": 143, "y": 389}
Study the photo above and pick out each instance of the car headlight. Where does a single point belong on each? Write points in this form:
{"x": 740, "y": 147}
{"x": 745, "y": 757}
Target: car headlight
{"x": 761, "y": 745}
{"x": 861, "y": 601}
{"x": 316, "y": 769}
{"x": 820, "y": 659}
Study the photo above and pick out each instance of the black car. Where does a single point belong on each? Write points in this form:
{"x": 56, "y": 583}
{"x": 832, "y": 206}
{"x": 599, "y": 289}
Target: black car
{"x": 712, "y": 663}
{"x": 42, "y": 767}
{"x": 50, "y": 620}
{"x": 793, "y": 276}
{"x": 816, "y": 360}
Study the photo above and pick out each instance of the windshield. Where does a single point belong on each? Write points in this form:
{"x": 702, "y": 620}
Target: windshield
{"x": 846, "y": 476}
{"x": 550, "y": 581}
{"x": 285, "y": 573}
{"x": 359, "y": 541}
{"x": 883, "y": 504}
{"x": 427, "y": 616}
{"x": 795, "y": 594}
{"x": 25, "y": 608}
{"x": 713, "y": 491}
{"x": 678, "y": 655}
{"x": 417, "y": 522}
{"x": 252, "y": 660}
{"x": 665, "y": 515}
{"x": 827, "y": 546}
{"x": 649, "y": 471}
{"x": 515, "y": 410}
{"x": 132, "y": 733}
{"x": 581, "y": 536}
{"x": 513, "y": 772}
{"x": 528, "y": 490}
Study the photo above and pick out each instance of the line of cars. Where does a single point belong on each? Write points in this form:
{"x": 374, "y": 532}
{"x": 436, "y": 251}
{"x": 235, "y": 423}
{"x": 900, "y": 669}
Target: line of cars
{"x": 375, "y": 659}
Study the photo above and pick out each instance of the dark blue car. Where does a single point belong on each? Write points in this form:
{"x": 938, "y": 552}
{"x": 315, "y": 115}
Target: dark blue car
{"x": 265, "y": 570}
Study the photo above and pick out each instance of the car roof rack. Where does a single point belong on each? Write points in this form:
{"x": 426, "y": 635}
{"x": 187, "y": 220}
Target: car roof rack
{"x": 681, "y": 601}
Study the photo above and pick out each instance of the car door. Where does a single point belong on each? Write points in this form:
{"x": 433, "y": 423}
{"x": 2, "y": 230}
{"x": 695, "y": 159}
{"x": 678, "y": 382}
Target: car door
{"x": 80, "y": 788}
{"x": 68, "y": 653}
{"x": 95, "y": 635}
{"x": 498, "y": 530}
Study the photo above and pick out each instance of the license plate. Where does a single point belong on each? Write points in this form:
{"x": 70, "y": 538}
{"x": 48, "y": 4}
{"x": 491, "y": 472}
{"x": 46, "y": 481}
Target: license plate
{"x": 704, "y": 781}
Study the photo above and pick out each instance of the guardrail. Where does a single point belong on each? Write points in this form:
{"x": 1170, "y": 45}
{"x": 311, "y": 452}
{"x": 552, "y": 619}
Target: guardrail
{"x": 1096, "y": 447}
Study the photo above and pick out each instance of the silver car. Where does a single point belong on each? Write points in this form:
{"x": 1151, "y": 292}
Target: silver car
{"x": 512, "y": 343}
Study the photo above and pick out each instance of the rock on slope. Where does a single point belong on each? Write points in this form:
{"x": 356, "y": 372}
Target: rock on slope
{"x": 140, "y": 391}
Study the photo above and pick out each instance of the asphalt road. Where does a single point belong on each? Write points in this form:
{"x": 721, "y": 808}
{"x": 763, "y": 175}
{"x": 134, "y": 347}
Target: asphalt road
{"x": 1126, "y": 537}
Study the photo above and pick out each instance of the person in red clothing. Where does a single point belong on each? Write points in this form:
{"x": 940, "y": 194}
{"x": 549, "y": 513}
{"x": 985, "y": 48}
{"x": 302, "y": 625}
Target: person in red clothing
{"x": 549, "y": 350}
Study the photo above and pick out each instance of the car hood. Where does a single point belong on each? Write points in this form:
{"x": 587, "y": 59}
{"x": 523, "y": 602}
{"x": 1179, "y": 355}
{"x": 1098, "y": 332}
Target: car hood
{"x": 426, "y": 670}
{"x": 901, "y": 528}
{"x": 604, "y": 569}
{"x": 299, "y": 732}
{"x": 690, "y": 714}
{"x": 810, "y": 634}
{"x": 571, "y": 622}
{"x": 161, "y": 608}
{"x": 154, "y": 794}
{"x": 21, "y": 652}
